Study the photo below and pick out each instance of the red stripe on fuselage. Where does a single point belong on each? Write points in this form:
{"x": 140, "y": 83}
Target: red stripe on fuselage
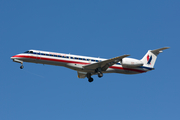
{"x": 75, "y": 62}
{"x": 49, "y": 59}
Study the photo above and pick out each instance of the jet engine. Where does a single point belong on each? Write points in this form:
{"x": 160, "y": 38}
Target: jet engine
{"x": 130, "y": 62}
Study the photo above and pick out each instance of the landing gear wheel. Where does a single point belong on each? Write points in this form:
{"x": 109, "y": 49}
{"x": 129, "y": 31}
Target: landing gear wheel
{"x": 90, "y": 79}
{"x": 21, "y": 67}
{"x": 100, "y": 74}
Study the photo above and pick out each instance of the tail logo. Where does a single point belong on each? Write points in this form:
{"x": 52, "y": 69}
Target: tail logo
{"x": 149, "y": 59}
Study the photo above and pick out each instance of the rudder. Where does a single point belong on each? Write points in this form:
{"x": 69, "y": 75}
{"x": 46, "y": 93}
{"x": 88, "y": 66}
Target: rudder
{"x": 150, "y": 57}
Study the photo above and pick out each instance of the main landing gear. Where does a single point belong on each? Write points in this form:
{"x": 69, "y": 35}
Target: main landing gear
{"x": 90, "y": 79}
{"x": 98, "y": 71}
{"x": 100, "y": 74}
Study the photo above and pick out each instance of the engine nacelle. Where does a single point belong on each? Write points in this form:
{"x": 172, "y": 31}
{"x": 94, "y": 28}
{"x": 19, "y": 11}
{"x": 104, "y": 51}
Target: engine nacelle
{"x": 130, "y": 62}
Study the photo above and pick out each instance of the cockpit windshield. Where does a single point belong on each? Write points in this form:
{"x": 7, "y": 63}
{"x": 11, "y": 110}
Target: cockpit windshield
{"x": 28, "y": 52}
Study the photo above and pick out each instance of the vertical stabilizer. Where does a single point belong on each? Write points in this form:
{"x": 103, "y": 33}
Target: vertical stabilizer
{"x": 150, "y": 57}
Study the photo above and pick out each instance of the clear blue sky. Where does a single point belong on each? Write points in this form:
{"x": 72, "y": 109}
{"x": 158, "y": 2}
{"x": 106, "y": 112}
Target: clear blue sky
{"x": 99, "y": 28}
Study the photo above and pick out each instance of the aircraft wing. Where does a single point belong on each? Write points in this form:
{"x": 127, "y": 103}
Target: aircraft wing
{"x": 104, "y": 65}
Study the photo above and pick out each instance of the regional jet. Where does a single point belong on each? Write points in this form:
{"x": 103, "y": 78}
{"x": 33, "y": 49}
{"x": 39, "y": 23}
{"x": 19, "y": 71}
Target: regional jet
{"x": 88, "y": 66}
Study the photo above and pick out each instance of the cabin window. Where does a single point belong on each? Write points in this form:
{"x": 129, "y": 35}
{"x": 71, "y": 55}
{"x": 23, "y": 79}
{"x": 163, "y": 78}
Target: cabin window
{"x": 30, "y": 51}
{"x": 59, "y": 55}
{"x": 71, "y": 57}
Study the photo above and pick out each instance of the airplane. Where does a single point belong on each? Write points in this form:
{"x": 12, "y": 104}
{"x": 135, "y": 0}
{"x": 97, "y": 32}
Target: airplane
{"x": 88, "y": 66}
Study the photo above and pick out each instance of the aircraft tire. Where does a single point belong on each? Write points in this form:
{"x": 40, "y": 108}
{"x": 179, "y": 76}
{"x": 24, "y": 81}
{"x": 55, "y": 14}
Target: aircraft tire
{"x": 90, "y": 79}
{"x": 21, "y": 67}
{"x": 100, "y": 74}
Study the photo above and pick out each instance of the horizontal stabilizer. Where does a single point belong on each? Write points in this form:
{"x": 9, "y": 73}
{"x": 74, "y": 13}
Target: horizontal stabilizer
{"x": 160, "y": 50}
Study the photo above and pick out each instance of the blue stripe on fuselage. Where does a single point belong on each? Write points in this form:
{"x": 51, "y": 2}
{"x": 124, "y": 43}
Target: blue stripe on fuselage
{"x": 146, "y": 67}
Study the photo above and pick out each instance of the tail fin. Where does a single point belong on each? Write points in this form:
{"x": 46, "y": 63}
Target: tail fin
{"x": 150, "y": 58}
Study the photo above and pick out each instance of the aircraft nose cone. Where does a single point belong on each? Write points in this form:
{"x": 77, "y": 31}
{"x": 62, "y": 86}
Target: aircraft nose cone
{"x": 13, "y": 57}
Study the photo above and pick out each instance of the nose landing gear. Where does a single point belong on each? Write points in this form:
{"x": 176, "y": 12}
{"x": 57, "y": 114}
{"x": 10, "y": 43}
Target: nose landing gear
{"x": 21, "y": 67}
{"x": 19, "y": 61}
